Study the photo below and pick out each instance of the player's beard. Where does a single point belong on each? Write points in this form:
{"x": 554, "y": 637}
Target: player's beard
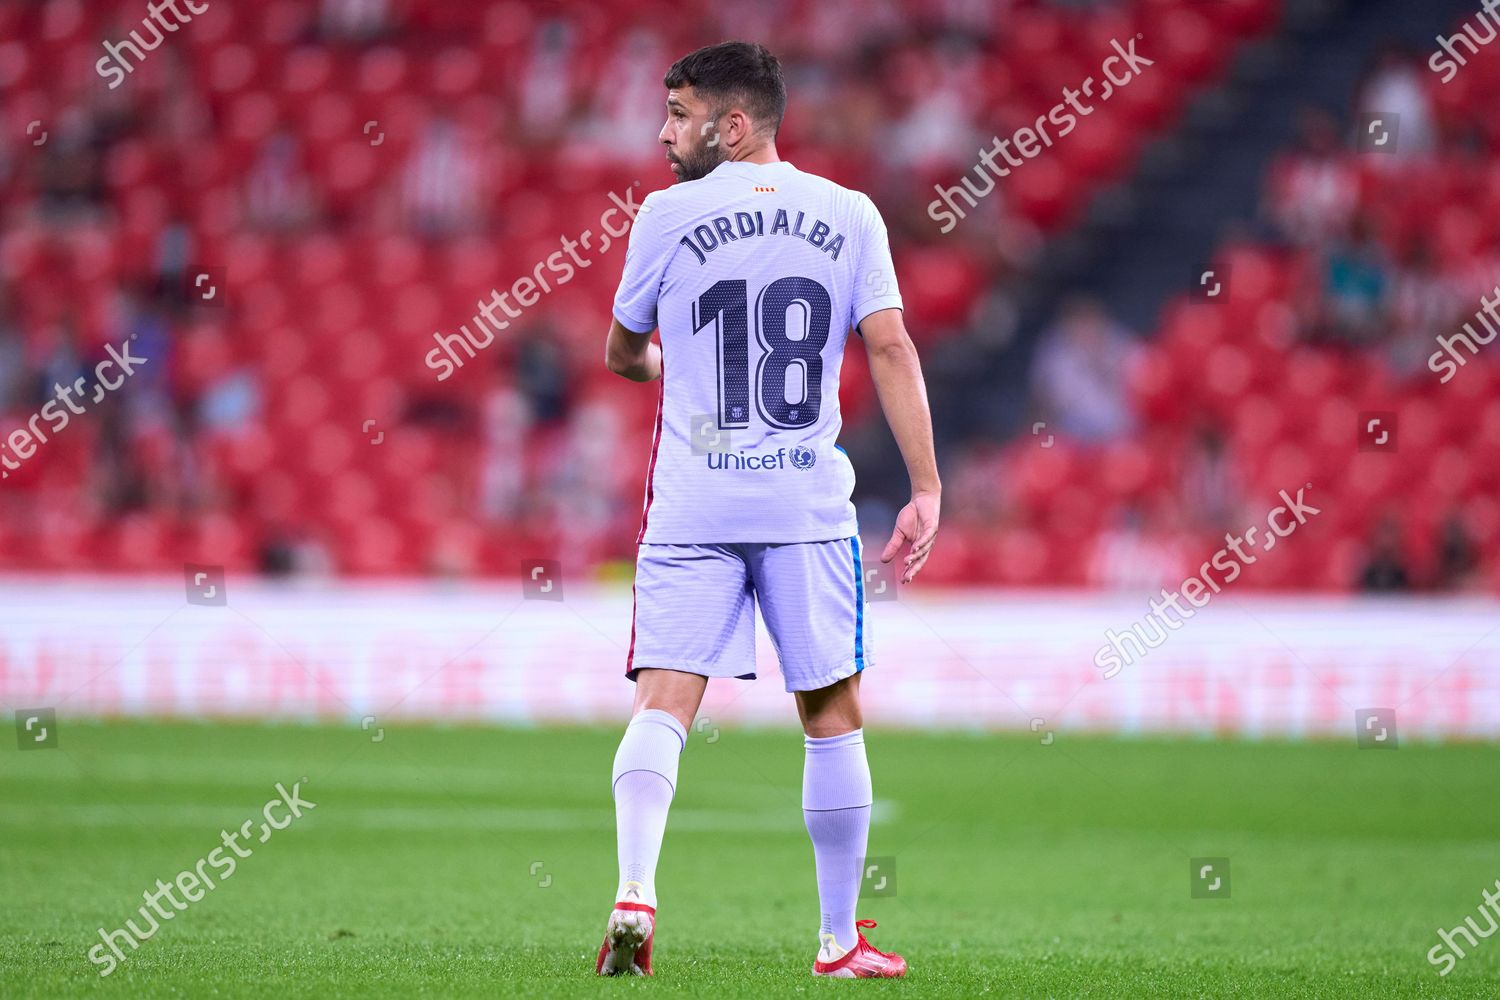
{"x": 699, "y": 163}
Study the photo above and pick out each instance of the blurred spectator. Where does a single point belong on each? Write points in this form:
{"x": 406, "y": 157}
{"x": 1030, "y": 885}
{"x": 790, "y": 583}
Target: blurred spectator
{"x": 1211, "y": 488}
{"x": 1424, "y": 304}
{"x": 542, "y": 375}
{"x": 71, "y": 171}
{"x": 934, "y": 125}
{"x": 1398, "y": 88}
{"x": 287, "y": 551}
{"x": 173, "y": 256}
{"x": 504, "y": 421}
{"x": 1356, "y": 280}
{"x": 120, "y": 474}
{"x": 626, "y": 104}
{"x": 1139, "y": 552}
{"x": 1313, "y": 191}
{"x": 277, "y": 192}
{"x": 12, "y": 357}
{"x": 60, "y": 363}
{"x": 442, "y": 189}
{"x": 548, "y": 86}
{"x": 1457, "y": 556}
{"x": 1385, "y": 569}
{"x": 583, "y": 478}
{"x": 138, "y": 321}
{"x": 1080, "y": 376}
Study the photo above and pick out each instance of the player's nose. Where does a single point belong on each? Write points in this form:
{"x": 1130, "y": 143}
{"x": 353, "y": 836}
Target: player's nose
{"x": 665, "y": 135}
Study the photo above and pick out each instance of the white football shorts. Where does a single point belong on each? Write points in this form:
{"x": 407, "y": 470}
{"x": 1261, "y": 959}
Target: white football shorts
{"x": 695, "y": 610}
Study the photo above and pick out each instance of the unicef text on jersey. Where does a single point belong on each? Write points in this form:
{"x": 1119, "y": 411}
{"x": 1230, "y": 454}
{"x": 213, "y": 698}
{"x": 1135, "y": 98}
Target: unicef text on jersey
{"x": 800, "y": 457}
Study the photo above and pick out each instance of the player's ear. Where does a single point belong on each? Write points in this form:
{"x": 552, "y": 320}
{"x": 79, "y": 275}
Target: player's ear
{"x": 735, "y": 126}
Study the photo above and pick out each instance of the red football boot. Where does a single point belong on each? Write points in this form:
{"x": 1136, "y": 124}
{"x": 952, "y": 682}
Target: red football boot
{"x": 863, "y": 961}
{"x": 626, "y": 950}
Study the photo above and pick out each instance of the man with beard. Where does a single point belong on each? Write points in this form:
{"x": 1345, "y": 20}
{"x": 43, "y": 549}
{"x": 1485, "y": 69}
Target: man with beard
{"x": 755, "y": 272}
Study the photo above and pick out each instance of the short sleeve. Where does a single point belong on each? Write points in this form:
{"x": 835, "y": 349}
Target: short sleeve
{"x": 875, "y": 280}
{"x": 645, "y": 263}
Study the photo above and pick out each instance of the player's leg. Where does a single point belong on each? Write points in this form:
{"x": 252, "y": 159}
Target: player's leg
{"x": 812, "y": 597}
{"x": 694, "y": 619}
{"x": 836, "y": 801}
{"x": 644, "y": 778}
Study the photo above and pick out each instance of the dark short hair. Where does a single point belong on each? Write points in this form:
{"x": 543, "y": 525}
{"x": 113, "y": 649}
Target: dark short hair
{"x": 744, "y": 72}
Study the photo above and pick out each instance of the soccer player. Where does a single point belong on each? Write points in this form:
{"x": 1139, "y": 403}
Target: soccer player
{"x": 755, "y": 272}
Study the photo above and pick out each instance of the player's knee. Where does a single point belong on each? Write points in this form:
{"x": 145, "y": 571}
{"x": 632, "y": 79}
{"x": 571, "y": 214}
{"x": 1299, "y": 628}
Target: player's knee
{"x": 669, "y": 691}
{"x": 679, "y": 708}
{"x": 833, "y": 710}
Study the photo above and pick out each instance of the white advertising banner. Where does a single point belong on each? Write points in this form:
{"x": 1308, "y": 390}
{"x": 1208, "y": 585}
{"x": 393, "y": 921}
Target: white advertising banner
{"x": 1038, "y": 661}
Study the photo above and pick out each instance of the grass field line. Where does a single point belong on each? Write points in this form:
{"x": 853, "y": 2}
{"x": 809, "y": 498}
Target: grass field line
{"x": 151, "y": 769}
{"x": 421, "y": 817}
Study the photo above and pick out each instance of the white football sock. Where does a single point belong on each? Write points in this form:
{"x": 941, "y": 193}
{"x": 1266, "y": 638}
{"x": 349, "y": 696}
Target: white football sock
{"x": 645, "y": 778}
{"x": 836, "y": 799}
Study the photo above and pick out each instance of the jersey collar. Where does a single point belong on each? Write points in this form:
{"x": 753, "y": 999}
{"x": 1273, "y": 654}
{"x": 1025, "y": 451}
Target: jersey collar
{"x": 744, "y": 168}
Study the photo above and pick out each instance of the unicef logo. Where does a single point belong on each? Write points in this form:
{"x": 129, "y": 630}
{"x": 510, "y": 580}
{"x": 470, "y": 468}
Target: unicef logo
{"x": 803, "y": 457}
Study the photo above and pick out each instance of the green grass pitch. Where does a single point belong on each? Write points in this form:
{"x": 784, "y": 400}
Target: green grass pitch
{"x": 473, "y": 861}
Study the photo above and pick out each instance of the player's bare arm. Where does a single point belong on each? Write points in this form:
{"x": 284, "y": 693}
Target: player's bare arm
{"x": 631, "y": 355}
{"x": 897, "y": 374}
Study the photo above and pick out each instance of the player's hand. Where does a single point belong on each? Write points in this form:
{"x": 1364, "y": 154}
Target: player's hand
{"x": 916, "y": 525}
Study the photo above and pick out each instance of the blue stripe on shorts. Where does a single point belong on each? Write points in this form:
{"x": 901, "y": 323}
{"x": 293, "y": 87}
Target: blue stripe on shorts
{"x": 859, "y": 603}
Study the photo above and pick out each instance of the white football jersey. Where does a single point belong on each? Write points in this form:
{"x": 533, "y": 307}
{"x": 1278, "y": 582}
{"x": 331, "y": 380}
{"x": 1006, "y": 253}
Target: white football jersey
{"x": 755, "y": 275}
